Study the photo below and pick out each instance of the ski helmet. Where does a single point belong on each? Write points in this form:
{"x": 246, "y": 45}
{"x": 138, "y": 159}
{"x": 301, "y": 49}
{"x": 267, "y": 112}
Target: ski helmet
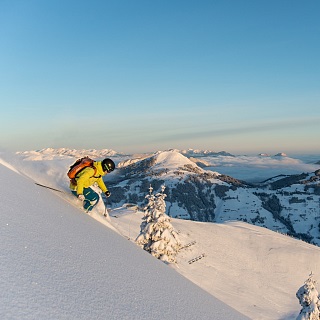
{"x": 107, "y": 165}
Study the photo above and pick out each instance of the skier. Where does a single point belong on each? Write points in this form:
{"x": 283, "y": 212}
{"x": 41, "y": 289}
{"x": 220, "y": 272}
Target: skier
{"x": 81, "y": 185}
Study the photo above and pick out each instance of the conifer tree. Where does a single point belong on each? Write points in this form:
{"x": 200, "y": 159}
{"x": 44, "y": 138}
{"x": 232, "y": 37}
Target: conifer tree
{"x": 157, "y": 235}
{"x": 309, "y": 300}
{"x": 148, "y": 209}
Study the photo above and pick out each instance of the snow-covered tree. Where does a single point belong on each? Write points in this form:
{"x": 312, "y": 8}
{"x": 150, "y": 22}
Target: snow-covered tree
{"x": 148, "y": 209}
{"x": 309, "y": 299}
{"x": 157, "y": 234}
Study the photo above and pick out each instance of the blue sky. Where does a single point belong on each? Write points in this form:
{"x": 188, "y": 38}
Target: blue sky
{"x": 136, "y": 76}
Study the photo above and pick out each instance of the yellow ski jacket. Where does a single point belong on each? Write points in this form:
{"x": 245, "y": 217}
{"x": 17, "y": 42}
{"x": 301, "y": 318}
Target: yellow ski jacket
{"x": 88, "y": 176}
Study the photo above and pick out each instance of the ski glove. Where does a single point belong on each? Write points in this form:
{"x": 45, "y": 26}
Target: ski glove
{"x": 108, "y": 194}
{"x": 81, "y": 197}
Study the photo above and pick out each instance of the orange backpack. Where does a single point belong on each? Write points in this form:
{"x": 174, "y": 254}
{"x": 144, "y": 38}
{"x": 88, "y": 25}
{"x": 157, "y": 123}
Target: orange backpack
{"x": 78, "y": 166}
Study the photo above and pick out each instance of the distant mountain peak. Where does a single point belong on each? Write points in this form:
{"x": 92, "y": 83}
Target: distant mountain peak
{"x": 281, "y": 154}
{"x": 171, "y": 159}
{"x": 199, "y": 153}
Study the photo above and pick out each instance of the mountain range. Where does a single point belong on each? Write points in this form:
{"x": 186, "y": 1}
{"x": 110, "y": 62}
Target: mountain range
{"x": 286, "y": 203}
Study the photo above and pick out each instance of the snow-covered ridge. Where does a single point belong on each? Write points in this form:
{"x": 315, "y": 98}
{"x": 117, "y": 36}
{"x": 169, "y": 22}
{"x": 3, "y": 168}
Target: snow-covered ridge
{"x": 202, "y": 153}
{"x": 50, "y": 153}
{"x": 200, "y": 162}
{"x": 167, "y": 161}
{"x": 171, "y": 159}
{"x": 8, "y": 165}
{"x": 281, "y": 154}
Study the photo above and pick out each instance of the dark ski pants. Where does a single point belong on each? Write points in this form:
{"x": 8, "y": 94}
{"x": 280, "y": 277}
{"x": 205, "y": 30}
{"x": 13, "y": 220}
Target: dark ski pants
{"x": 91, "y": 198}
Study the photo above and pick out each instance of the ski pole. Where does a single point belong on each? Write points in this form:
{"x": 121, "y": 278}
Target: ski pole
{"x": 41, "y": 185}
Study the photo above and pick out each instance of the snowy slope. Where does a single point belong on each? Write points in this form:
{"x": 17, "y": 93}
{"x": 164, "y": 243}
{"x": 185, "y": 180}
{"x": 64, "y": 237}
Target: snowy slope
{"x": 58, "y": 263}
{"x": 252, "y": 269}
